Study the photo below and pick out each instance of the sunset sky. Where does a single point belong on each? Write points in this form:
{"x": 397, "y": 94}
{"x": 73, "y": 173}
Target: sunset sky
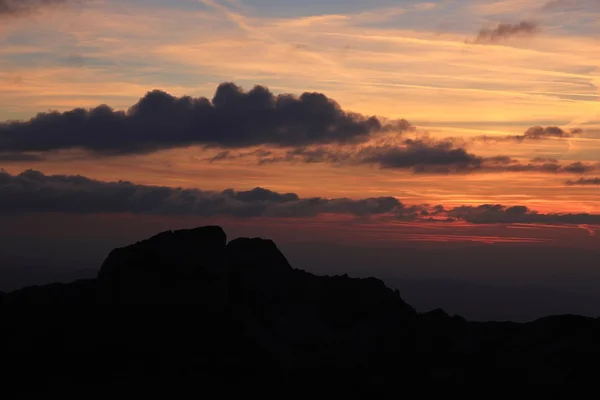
{"x": 393, "y": 120}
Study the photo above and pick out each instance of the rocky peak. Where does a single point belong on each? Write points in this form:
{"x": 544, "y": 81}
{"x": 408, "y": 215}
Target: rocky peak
{"x": 171, "y": 267}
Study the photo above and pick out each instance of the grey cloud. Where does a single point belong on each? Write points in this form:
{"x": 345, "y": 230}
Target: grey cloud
{"x": 425, "y": 156}
{"x": 32, "y": 191}
{"x": 24, "y": 7}
{"x": 539, "y": 132}
{"x": 230, "y": 155}
{"x": 535, "y": 133}
{"x": 549, "y": 167}
{"x": 260, "y": 194}
{"x": 496, "y": 213}
{"x": 505, "y": 31}
{"x": 20, "y": 157}
{"x": 233, "y": 118}
{"x": 580, "y": 168}
{"x": 583, "y": 182}
{"x": 418, "y": 153}
{"x": 544, "y": 160}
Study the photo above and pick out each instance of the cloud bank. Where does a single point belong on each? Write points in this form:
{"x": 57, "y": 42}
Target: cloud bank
{"x": 496, "y": 213}
{"x": 233, "y": 118}
{"x": 32, "y": 191}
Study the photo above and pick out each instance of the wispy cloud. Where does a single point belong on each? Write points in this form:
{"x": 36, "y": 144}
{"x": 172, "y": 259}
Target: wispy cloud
{"x": 424, "y": 156}
{"x": 583, "y": 182}
{"x": 503, "y": 32}
{"x": 15, "y": 8}
{"x": 535, "y": 133}
{"x": 571, "y": 5}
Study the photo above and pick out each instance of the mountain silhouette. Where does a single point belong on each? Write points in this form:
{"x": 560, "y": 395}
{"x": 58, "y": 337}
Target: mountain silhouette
{"x": 186, "y": 307}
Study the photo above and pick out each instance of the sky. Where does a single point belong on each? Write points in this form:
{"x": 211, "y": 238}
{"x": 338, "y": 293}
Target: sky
{"x": 383, "y": 122}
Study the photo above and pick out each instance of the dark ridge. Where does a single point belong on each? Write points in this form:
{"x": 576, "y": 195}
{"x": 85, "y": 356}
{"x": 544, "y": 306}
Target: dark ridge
{"x": 240, "y": 314}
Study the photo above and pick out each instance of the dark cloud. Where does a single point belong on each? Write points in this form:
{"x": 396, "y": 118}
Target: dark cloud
{"x": 32, "y": 191}
{"x": 500, "y": 160}
{"x": 230, "y": 155}
{"x": 312, "y": 155}
{"x": 19, "y": 157}
{"x": 583, "y": 182}
{"x": 232, "y": 119}
{"x": 423, "y": 156}
{"x": 24, "y": 7}
{"x": 539, "y": 132}
{"x": 419, "y": 155}
{"x": 496, "y": 213}
{"x": 260, "y": 195}
{"x": 580, "y": 168}
{"x": 506, "y": 31}
{"x": 544, "y": 160}
{"x": 548, "y": 167}
{"x": 535, "y": 133}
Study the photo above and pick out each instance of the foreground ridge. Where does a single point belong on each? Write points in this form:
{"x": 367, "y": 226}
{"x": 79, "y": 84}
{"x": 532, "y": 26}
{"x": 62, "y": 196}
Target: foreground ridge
{"x": 239, "y": 309}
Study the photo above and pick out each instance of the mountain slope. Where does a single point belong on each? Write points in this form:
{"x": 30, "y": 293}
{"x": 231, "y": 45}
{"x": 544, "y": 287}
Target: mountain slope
{"x": 181, "y": 303}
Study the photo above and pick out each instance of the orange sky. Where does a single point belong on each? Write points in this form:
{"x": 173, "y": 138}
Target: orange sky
{"x": 402, "y": 59}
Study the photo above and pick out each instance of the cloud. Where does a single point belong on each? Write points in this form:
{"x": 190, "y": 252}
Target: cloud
{"x": 234, "y": 118}
{"x": 534, "y": 133}
{"x": 496, "y": 213}
{"x": 19, "y": 157}
{"x": 422, "y": 156}
{"x": 583, "y": 182}
{"x": 32, "y": 191}
{"x": 544, "y": 160}
{"x": 419, "y": 155}
{"x": 416, "y": 154}
{"x": 504, "y": 32}
{"x": 230, "y": 155}
{"x": 24, "y": 7}
{"x": 539, "y": 132}
{"x": 571, "y": 5}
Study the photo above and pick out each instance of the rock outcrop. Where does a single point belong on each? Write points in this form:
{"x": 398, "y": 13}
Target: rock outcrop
{"x": 187, "y": 301}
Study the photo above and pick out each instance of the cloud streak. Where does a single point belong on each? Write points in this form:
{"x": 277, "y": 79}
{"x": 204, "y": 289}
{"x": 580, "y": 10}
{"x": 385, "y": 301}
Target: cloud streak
{"x": 503, "y": 32}
{"x": 233, "y": 118}
{"x": 571, "y": 5}
{"x": 583, "y": 182}
{"x": 15, "y": 8}
{"x": 420, "y": 156}
{"x": 536, "y": 133}
{"x": 496, "y": 213}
